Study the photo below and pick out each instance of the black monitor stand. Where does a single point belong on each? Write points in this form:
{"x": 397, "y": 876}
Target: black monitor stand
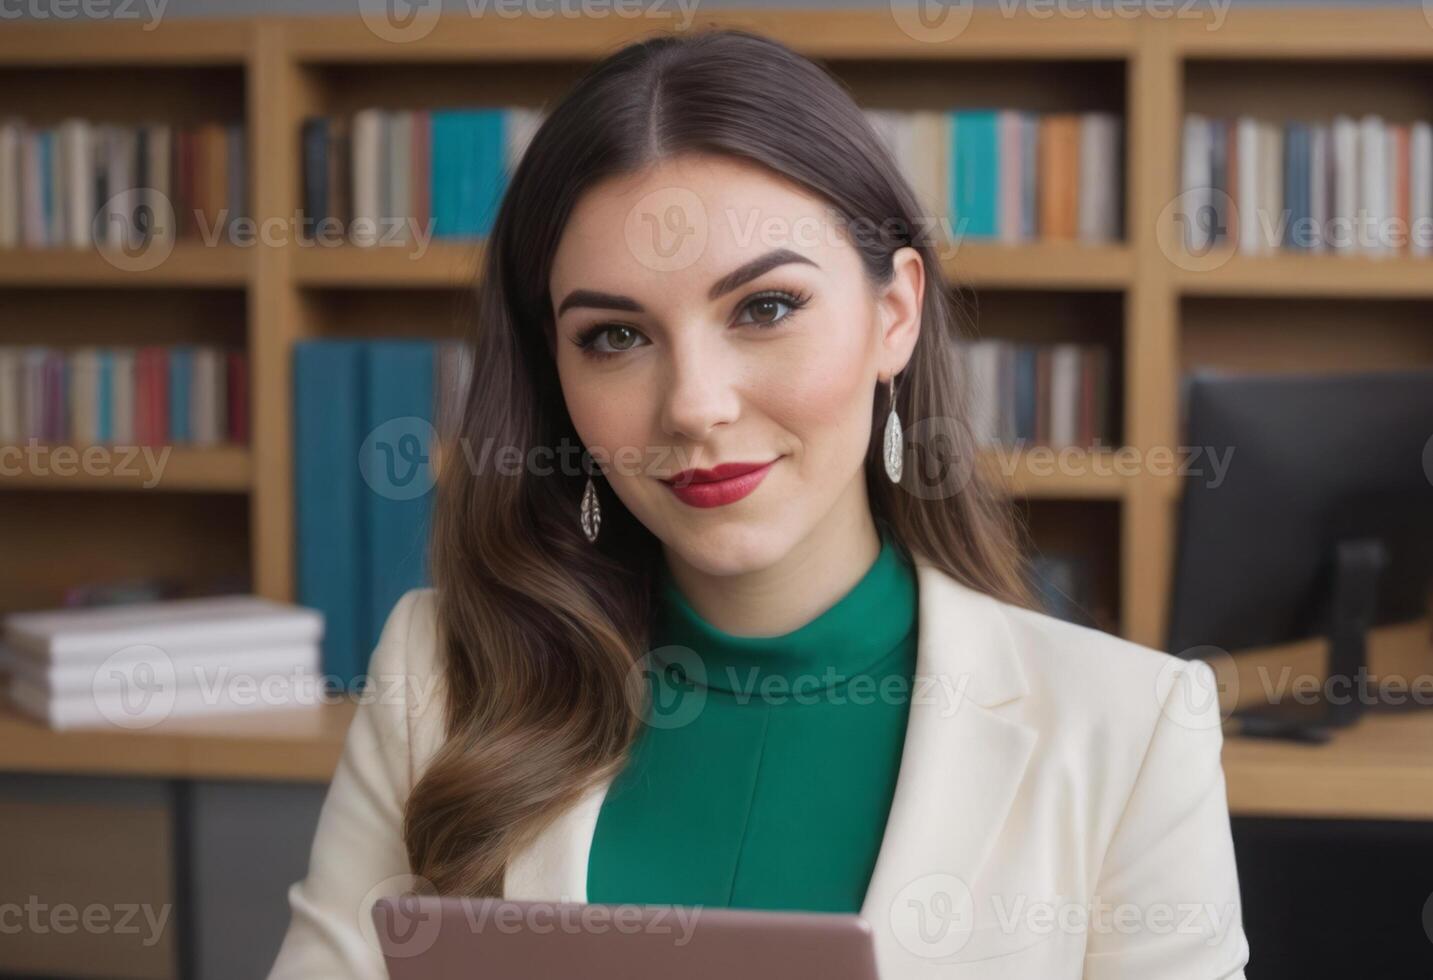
{"x": 1353, "y": 605}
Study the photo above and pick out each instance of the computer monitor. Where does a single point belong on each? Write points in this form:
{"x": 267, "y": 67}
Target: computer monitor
{"x": 1320, "y": 524}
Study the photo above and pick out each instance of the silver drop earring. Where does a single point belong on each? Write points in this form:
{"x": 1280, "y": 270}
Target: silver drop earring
{"x": 591, "y": 512}
{"x": 893, "y": 448}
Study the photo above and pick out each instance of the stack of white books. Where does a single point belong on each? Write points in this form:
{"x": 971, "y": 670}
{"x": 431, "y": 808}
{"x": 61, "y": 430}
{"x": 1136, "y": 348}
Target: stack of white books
{"x": 132, "y": 666}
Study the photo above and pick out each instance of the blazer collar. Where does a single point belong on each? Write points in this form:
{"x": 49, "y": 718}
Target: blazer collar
{"x": 960, "y": 768}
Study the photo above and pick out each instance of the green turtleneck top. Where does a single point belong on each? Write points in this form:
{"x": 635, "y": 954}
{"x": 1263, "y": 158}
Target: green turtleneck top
{"x": 765, "y": 772}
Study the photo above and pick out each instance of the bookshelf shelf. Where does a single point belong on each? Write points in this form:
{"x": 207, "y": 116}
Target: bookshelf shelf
{"x": 1156, "y": 317}
{"x": 832, "y": 34}
{"x": 189, "y": 264}
{"x": 126, "y": 41}
{"x": 1044, "y": 473}
{"x": 1064, "y": 266}
{"x": 223, "y": 469}
{"x": 1052, "y": 265}
{"x": 1389, "y": 277}
{"x": 441, "y": 265}
{"x": 1336, "y": 34}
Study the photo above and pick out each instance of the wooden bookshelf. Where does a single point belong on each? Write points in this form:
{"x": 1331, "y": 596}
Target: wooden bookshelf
{"x": 188, "y": 265}
{"x": 1388, "y": 277}
{"x": 1160, "y": 314}
{"x": 221, "y": 469}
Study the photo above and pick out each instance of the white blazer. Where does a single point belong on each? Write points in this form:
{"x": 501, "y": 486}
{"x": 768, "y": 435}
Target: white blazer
{"x": 1059, "y": 812}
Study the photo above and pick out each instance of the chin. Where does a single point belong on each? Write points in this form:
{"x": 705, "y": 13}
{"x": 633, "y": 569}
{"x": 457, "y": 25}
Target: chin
{"x": 732, "y": 547}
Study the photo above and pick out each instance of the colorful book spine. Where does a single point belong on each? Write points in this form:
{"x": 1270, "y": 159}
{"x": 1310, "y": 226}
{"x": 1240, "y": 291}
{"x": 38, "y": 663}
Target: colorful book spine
{"x": 1344, "y": 185}
{"x": 331, "y": 540}
{"x": 395, "y": 459}
{"x": 975, "y": 174}
{"x": 123, "y": 396}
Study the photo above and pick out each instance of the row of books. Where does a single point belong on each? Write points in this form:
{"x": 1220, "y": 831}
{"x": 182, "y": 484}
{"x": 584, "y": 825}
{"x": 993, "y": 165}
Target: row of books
{"x": 148, "y": 396}
{"x": 383, "y": 175}
{"x": 1010, "y": 175}
{"x": 366, "y": 413}
{"x": 83, "y": 182}
{"x": 1348, "y": 185}
{"x": 1046, "y": 394}
{"x": 133, "y": 665}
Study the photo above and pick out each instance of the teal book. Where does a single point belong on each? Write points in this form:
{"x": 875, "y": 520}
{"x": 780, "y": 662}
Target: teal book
{"x": 181, "y": 371}
{"x": 331, "y": 550}
{"x": 47, "y": 191}
{"x": 396, "y": 473}
{"x": 104, "y": 396}
{"x": 467, "y": 170}
{"x": 974, "y": 174}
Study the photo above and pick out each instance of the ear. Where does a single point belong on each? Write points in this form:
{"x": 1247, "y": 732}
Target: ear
{"x": 899, "y": 309}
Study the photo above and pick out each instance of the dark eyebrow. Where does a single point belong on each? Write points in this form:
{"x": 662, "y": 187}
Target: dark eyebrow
{"x": 757, "y": 267}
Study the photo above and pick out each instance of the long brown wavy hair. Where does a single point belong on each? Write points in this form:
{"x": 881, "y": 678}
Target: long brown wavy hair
{"x": 539, "y": 630}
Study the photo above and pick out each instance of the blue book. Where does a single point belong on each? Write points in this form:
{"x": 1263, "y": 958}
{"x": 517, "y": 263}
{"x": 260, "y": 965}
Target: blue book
{"x": 467, "y": 171}
{"x": 974, "y": 174}
{"x": 448, "y": 160}
{"x": 1301, "y": 213}
{"x": 104, "y": 395}
{"x": 181, "y": 372}
{"x": 47, "y": 192}
{"x": 1025, "y": 394}
{"x": 397, "y": 478}
{"x": 331, "y": 550}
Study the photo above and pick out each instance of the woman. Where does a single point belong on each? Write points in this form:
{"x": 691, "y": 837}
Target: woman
{"x": 761, "y": 649}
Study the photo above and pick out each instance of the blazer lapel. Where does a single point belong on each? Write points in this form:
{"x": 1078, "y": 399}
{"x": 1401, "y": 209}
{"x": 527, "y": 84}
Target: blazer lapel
{"x": 960, "y": 768}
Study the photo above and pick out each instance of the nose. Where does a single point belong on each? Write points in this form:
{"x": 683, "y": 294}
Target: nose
{"x": 701, "y": 390}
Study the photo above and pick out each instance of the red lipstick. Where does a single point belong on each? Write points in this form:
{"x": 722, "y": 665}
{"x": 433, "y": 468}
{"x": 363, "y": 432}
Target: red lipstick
{"x": 719, "y": 485}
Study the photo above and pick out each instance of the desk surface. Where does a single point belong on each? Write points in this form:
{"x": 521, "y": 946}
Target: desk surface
{"x": 1381, "y": 768}
{"x": 295, "y": 745}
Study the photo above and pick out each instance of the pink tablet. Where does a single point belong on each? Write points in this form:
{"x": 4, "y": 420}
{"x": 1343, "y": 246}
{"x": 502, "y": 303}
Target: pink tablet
{"x": 427, "y": 937}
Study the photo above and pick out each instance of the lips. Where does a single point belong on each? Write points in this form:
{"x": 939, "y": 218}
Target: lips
{"x": 719, "y": 485}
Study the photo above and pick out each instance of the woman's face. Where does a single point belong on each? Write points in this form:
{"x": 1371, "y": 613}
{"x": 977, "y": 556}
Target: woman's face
{"x": 709, "y": 312}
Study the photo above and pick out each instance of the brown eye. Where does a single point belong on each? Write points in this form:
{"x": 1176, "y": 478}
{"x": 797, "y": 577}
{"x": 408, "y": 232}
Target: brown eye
{"x": 611, "y": 338}
{"x": 769, "y": 309}
{"x": 622, "y": 338}
{"x": 766, "y": 310}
